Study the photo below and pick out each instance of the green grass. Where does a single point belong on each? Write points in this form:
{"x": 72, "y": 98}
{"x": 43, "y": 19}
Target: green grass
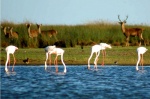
{"x": 78, "y": 56}
{"x": 73, "y": 35}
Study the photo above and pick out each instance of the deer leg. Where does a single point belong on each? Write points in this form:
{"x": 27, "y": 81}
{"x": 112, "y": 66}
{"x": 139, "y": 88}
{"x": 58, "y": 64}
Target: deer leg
{"x": 127, "y": 41}
{"x": 140, "y": 41}
{"x": 141, "y": 38}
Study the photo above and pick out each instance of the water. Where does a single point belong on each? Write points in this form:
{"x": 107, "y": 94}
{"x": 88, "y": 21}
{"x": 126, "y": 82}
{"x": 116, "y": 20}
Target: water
{"x": 109, "y": 82}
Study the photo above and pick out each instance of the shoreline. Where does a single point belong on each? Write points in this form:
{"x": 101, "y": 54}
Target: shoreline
{"x": 77, "y": 64}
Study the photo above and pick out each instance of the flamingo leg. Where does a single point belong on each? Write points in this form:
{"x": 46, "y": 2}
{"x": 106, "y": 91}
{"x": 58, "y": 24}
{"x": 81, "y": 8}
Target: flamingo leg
{"x": 142, "y": 61}
{"x": 14, "y": 62}
{"x": 89, "y": 60}
{"x": 8, "y": 62}
{"x": 139, "y": 58}
{"x": 104, "y": 54}
{"x": 46, "y": 61}
{"x": 49, "y": 59}
{"x": 55, "y": 62}
{"x": 65, "y": 70}
{"x": 96, "y": 59}
{"x": 6, "y": 69}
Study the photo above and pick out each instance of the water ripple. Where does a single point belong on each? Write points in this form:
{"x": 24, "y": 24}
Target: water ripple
{"x": 107, "y": 82}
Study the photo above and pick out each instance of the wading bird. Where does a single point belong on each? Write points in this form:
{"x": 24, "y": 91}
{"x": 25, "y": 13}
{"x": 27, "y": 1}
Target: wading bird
{"x": 10, "y": 50}
{"x": 140, "y": 51}
{"x": 26, "y": 61}
{"x": 96, "y": 49}
{"x": 53, "y": 50}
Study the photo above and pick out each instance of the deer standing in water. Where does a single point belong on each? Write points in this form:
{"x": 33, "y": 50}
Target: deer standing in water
{"x": 130, "y": 31}
{"x": 32, "y": 33}
{"x": 49, "y": 33}
{"x": 13, "y": 34}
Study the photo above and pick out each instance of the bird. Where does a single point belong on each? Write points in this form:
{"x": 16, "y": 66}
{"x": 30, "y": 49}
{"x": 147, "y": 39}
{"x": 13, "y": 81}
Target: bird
{"x": 48, "y": 49}
{"x": 104, "y": 46}
{"x": 58, "y": 51}
{"x": 115, "y": 62}
{"x": 96, "y": 49}
{"x": 140, "y": 51}
{"x": 10, "y": 50}
{"x": 26, "y": 61}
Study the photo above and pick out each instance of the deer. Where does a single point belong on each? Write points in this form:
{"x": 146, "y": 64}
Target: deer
{"x": 7, "y": 34}
{"x": 130, "y": 31}
{"x": 32, "y": 33}
{"x": 49, "y": 33}
{"x": 13, "y": 34}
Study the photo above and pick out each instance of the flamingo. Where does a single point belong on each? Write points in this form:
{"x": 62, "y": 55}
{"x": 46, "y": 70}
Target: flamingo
{"x": 96, "y": 49}
{"x": 58, "y": 51}
{"x": 140, "y": 51}
{"x": 10, "y": 50}
{"x": 104, "y": 46}
{"x": 48, "y": 49}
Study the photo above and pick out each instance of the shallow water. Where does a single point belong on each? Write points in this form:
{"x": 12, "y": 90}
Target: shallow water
{"x": 112, "y": 82}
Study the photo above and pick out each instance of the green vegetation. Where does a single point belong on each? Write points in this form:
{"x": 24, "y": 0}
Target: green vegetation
{"x": 71, "y": 36}
{"x": 78, "y": 56}
{"x": 73, "y": 39}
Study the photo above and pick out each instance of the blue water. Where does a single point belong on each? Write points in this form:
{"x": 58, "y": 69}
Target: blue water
{"x": 109, "y": 82}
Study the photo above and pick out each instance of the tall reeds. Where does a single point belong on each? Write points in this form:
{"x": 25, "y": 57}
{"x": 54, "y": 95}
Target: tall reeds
{"x": 72, "y": 35}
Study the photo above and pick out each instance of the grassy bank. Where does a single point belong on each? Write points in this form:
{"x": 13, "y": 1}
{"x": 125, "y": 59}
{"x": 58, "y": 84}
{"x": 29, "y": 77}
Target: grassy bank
{"x": 76, "y": 55}
{"x": 71, "y": 36}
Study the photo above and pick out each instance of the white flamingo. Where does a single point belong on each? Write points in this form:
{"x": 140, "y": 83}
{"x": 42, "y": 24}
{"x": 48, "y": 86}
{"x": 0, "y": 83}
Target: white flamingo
{"x": 58, "y": 51}
{"x": 10, "y": 50}
{"x": 96, "y": 49}
{"x": 140, "y": 51}
{"x": 48, "y": 49}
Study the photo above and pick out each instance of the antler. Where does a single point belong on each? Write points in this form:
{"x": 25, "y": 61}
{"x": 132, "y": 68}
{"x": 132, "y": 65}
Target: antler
{"x": 119, "y": 18}
{"x": 126, "y": 19}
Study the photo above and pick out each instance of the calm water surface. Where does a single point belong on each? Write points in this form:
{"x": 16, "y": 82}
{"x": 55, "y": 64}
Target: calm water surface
{"x": 109, "y": 82}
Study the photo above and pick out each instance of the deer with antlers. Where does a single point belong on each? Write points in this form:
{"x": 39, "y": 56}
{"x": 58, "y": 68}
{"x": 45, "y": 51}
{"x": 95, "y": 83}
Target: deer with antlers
{"x": 13, "y": 34}
{"x": 32, "y": 33}
{"x": 5, "y": 30}
{"x": 130, "y": 31}
{"x": 49, "y": 33}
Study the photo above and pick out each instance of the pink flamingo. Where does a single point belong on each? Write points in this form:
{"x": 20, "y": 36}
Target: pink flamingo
{"x": 10, "y": 50}
{"x": 58, "y": 51}
{"x": 96, "y": 49}
{"x": 140, "y": 51}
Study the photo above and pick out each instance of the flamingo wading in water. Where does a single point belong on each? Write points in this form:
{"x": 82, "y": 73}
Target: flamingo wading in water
{"x": 140, "y": 51}
{"x": 53, "y": 50}
{"x": 96, "y": 49}
{"x": 10, "y": 50}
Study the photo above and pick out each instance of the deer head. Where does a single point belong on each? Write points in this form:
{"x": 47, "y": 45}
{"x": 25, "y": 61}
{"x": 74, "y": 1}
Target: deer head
{"x": 39, "y": 27}
{"x": 122, "y": 22}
